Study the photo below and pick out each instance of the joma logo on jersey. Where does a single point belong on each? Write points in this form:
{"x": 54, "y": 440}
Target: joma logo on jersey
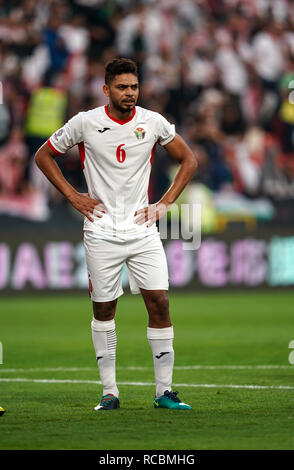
{"x": 140, "y": 133}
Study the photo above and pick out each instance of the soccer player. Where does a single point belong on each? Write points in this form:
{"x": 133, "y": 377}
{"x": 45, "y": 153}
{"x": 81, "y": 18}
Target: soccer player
{"x": 116, "y": 145}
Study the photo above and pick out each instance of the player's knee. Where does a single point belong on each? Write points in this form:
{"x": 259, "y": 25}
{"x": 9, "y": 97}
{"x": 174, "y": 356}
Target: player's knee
{"x": 158, "y": 302}
{"x": 104, "y": 311}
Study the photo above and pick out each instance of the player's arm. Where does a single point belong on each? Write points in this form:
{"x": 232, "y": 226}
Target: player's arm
{"x": 45, "y": 159}
{"x": 180, "y": 151}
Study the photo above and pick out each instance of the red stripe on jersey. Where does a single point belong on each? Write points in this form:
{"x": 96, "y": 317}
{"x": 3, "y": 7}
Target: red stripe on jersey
{"x": 118, "y": 120}
{"x": 53, "y": 148}
{"x": 152, "y": 153}
{"x": 81, "y": 146}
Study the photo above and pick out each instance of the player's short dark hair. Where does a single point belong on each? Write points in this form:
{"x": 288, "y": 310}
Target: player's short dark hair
{"x": 119, "y": 66}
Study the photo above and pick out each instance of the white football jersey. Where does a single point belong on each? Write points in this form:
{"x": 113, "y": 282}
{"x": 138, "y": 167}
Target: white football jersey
{"x": 116, "y": 157}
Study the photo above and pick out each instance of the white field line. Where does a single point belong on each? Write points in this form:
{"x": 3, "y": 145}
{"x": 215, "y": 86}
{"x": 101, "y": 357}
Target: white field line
{"x": 143, "y": 384}
{"x": 192, "y": 367}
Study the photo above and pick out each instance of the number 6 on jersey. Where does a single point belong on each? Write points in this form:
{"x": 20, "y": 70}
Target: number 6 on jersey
{"x": 120, "y": 153}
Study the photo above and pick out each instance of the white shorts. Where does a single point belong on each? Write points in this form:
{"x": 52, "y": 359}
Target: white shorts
{"x": 145, "y": 259}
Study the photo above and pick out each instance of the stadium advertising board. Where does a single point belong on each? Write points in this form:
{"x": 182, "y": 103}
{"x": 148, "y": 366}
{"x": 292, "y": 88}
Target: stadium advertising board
{"x": 263, "y": 260}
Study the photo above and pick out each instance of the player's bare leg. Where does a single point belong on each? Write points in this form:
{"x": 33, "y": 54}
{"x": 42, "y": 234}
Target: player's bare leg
{"x": 160, "y": 336}
{"x": 104, "y": 311}
{"x": 104, "y": 340}
{"x": 157, "y": 304}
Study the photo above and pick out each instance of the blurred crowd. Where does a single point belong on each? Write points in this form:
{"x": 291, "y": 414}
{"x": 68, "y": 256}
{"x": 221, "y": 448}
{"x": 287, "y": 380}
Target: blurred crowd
{"x": 221, "y": 70}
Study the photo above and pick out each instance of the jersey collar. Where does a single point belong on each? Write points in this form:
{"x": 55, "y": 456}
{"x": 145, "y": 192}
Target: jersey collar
{"x": 118, "y": 120}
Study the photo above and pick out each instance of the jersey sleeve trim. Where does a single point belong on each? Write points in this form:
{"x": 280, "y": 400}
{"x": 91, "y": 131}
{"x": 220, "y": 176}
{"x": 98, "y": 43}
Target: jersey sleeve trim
{"x": 53, "y": 148}
{"x": 168, "y": 140}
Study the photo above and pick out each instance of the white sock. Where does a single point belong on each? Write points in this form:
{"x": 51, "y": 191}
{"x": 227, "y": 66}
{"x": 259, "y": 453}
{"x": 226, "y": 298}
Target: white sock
{"x": 104, "y": 340}
{"x": 161, "y": 343}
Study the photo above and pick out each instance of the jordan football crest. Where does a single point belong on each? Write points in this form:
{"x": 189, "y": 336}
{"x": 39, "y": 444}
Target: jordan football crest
{"x": 140, "y": 133}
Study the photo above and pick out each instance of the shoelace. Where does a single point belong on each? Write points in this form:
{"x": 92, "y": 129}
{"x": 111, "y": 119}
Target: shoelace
{"x": 172, "y": 396}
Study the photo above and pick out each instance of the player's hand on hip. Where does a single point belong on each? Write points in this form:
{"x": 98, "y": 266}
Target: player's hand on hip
{"x": 151, "y": 214}
{"x": 87, "y": 205}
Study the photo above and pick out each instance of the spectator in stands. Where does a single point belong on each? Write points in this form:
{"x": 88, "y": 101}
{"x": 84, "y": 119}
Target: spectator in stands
{"x": 220, "y": 69}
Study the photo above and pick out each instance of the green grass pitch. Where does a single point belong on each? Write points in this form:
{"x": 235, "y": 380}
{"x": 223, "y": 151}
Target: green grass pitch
{"x": 231, "y": 365}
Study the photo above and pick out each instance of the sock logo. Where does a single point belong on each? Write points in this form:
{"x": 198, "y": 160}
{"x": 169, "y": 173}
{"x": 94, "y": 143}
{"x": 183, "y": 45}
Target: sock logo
{"x": 99, "y": 357}
{"x": 161, "y": 354}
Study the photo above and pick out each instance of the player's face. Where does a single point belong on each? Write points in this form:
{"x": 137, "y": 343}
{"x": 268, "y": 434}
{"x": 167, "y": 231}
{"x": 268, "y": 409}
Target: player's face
{"x": 123, "y": 92}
